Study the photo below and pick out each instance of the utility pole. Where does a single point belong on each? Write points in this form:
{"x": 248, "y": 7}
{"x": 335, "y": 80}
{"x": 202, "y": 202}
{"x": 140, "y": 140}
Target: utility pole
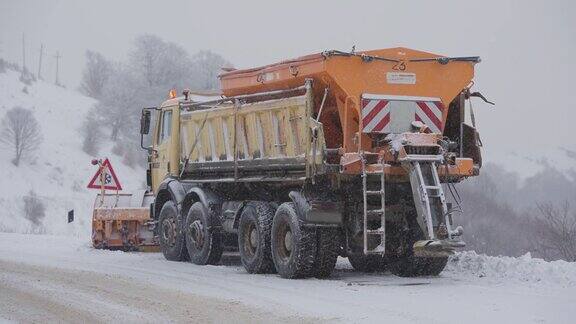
{"x": 23, "y": 53}
{"x": 57, "y": 57}
{"x": 40, "y": 62}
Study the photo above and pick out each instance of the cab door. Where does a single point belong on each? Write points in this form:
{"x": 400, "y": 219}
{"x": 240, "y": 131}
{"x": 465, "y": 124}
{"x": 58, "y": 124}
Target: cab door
{"x": 164, "y": 161}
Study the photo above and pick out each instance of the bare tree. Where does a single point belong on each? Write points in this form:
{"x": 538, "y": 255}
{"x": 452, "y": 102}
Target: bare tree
{"x": 34, "y": 209}
{"x": 121, "y": 101}
{"x": 91, "y": 133}
{"x": 153, "y": 68}
{"x": 95, "y": 74}
{"x": 146, "y": 57}
{"x": 206, "y": 67}
{"x": 160, "y": 64}
{"x": 20, "y": 130}
{"x": 556, "y": 232}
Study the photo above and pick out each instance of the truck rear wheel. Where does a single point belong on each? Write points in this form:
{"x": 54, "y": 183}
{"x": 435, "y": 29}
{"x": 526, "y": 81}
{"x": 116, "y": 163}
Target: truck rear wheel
{"x": 435, "y": 266}
{"x": 203, "y": 236}
{"x": 367, "y": 263}
{"x": 408, "y": 265}
{"x": 254, "y": 237}
{"x": 293, "y": 245}
{"x": 171, "y": 238}
{"x": 327, "y": 245}
{"x": 411, "y": 266}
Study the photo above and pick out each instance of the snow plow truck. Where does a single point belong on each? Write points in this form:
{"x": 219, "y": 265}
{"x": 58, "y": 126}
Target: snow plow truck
{"x": 333, "y": 154}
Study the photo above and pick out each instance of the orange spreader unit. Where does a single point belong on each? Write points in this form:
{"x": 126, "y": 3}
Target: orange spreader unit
{"x": 348, "y": 76}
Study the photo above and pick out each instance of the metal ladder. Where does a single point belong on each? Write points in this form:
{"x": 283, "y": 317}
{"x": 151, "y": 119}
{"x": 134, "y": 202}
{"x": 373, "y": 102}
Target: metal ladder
{"x": 428, "y": 193}
{"x": 381, "y": 230}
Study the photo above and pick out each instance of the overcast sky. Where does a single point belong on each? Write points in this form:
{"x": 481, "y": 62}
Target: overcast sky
{"x": 528, "y": 47}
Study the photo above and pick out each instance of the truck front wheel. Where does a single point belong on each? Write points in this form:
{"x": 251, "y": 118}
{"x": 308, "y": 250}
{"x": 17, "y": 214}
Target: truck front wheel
{"x": 254, "y": 237}
{"x": 170, "y": 236}
{"x": 203, "y": 236}
{"x": 293, "y": 245}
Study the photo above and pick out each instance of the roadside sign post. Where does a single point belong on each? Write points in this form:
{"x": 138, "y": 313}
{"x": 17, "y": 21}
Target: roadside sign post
{"x": 105, "y": 178}
{"x": 102, "y": 189}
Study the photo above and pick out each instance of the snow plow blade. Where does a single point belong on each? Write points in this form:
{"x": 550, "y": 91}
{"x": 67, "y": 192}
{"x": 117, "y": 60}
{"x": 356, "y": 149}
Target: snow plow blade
{"x": 436, "y": 248}
{"x": 122, "y": 222}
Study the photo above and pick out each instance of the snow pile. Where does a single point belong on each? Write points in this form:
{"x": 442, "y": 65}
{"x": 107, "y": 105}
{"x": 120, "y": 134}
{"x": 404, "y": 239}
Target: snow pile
{"x": 522, "y": 269}
{"x": 60, "y": 170}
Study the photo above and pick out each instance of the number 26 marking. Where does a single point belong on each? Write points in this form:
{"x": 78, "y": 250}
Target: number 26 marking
{"x": 400, "y": 66}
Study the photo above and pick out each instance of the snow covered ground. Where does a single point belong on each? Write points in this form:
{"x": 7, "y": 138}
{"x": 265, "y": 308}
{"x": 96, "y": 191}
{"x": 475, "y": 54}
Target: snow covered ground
{"x": 473, "y": 288}
{"x": 60, "y": 169}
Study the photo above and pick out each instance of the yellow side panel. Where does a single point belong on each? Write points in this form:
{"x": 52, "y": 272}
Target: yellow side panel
{"x": 228, "y": 137}
{"x": 285, "y": 128}
{"x": 267, "y": 130}
{"x": 253, "y": 134}
{"x": 243, "y": 151}
{"x": 267, "y": 134}
{"x": 219, "y": 138}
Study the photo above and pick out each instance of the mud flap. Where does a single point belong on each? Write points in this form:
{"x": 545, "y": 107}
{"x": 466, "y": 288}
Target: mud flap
{"x": 316, "y": 211}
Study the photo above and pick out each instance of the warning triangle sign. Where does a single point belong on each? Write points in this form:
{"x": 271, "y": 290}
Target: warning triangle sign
{"x": 107, "y": 175}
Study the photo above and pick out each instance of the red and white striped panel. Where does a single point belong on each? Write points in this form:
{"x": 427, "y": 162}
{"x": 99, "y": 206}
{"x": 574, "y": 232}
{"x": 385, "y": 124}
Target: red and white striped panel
{"x": 430, "y": 113}
{"x": 375, "y": 115}
{"x": 385, "y": 114}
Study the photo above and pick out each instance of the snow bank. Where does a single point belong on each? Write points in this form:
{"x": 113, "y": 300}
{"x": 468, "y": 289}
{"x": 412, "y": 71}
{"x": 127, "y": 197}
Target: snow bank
{"x": 522, "y": 269}
{"x": 60, "y": 169}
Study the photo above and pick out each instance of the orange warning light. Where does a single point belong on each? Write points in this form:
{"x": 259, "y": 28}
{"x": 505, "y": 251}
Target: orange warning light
{"x": 172, "y": 94}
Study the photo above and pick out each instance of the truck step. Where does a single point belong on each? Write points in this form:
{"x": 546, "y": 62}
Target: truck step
{"x": 377, "y": 250}
{"x": 422, "y": 158}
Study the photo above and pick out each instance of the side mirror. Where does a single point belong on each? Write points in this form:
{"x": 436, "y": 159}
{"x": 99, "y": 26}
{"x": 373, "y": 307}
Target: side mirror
{"x": 145, "y": 122}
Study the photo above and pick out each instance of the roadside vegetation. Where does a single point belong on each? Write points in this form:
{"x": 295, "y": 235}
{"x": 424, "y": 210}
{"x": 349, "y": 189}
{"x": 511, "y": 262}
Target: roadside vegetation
{"x": 153, "y": 68}
{"x": 503, "y": 215}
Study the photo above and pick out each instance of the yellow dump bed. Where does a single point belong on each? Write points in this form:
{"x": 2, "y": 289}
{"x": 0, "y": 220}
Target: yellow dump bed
{"x": 266, "y": 135}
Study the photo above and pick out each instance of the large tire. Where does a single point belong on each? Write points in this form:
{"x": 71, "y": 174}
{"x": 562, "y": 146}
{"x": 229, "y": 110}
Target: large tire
{"x": 170, "y": 235}
{"x": 293, "y": 245}
{"x": 411, "y": 266}
{"x": 435, "y": 266}
{"x": 367, "y": 263}
{"x": 408, "y": 265}
{"x": 254, "y": 237}
{"x": 203, "y": 236}
{"x": 327, "y": 244}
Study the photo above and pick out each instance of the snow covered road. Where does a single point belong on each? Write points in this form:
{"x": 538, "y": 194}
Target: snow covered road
{"x": 43, "y": 294}
{"x": 63, "y": 279}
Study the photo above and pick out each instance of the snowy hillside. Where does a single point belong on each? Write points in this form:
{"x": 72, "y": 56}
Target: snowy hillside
{"x": 527, "y": 163}
{"x": 61, "y": 170}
